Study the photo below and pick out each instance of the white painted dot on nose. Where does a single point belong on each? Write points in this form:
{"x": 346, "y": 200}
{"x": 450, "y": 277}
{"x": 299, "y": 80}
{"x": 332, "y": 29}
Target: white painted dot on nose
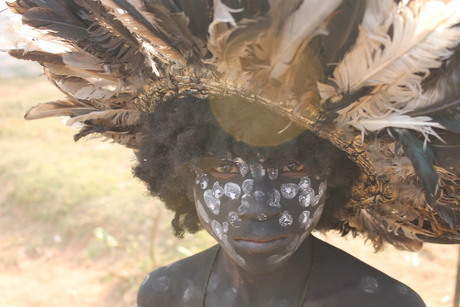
{"x": 259, "y": 195}
{"x": 257, "y": 170}
{"x": 289, "y": 190}
{"x": 262, "y": 217}
{"x": 274, "y": 198}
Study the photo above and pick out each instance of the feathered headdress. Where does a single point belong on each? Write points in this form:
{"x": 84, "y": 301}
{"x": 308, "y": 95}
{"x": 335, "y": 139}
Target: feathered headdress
{"x": 380, "y": 79}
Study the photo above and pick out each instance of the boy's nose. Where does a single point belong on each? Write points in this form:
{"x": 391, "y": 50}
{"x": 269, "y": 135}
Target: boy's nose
{"x": 262, "y": 204}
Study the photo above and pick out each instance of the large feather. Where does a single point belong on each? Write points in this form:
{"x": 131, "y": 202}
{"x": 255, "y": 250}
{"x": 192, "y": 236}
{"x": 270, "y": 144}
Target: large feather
{"x": 296, "y": 31}
{"x": 64, "y": 107}
{"x": 140, "y": 22}
{"x": 448, "y": 115}
{"x": 450, "y": 214}
{"x": 342, "y": 31}
{"x": 395, "y": 62}
{"x": 422, "y": 159}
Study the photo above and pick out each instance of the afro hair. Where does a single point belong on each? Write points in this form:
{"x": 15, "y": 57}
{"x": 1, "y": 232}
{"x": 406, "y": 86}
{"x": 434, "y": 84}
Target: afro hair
{"x": 185, "y": 129}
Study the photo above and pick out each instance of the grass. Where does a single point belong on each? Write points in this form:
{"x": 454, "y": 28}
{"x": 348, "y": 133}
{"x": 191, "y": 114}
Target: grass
{"x": 78, "y": 199}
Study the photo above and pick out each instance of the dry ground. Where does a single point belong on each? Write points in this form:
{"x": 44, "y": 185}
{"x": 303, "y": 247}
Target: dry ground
{"x": 77, "y": 230}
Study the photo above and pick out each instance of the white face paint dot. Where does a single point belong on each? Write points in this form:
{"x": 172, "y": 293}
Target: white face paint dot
{"x": 286, "y": 219}
{"x": 201, "y": 212}
{"x": 305, "y": 183}
{"x": 316, "y": 199}
{"x": 306, "y": 197}
{"x": 217, "y": 229}
{"x": 202, "y": 180}
{"x": 225, "y": 227}
{"x": 212, "y": 202}
{"x": 262, "y": 217}
{"x": 217, "y": 190}
{"x": 304, "y": 219}
{"x": 274, "y": 198}
{"x": 232, "y": 190}
{"x": 322, "y": 188}
{"x": 289, "y": 190}
{"x": 257, "y": 170}
{"x": 234, "y": 219}
{"x": 272, "y": 173}
{"x": 244, "y": 168}
{"x": 247, "y": 186}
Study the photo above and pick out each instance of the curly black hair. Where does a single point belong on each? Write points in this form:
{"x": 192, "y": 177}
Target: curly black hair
{"x": 185, "y": 129}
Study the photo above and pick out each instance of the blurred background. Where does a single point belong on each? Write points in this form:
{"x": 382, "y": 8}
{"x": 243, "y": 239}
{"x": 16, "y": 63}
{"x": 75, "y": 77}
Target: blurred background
{"x": 76, "y": 229}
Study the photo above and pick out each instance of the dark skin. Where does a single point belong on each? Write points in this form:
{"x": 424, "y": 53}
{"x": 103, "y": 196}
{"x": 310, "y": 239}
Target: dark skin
{"x": 337, "y": 279}
{"x": 313, "y": 273}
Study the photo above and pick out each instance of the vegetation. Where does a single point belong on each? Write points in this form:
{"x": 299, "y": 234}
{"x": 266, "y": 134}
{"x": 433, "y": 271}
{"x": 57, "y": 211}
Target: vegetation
{"x": 61, "y": 197}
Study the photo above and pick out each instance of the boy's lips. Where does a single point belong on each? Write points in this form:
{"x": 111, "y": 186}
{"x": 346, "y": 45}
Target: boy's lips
{"x": 257, "y": 245}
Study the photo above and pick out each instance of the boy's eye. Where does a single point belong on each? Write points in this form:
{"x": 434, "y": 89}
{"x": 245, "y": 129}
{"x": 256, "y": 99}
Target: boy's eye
{"x": 225, "y": 170}
{"x": 293, "y": 168}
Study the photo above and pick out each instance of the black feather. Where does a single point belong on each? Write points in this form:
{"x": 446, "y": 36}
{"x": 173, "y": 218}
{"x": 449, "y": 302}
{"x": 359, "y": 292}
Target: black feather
{"x": 422, "y": 158}
{"x": 445, "y": 81}
{"x": 197, "y": 25}
{"x": 450, "y": 214}
{"x": 447, "y": 151}
{"x": 447, "y": 114}
{"x": 342, "y": 33}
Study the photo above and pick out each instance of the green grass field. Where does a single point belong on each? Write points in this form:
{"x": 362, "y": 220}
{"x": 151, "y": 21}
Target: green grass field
{"x": 76, "y": 229}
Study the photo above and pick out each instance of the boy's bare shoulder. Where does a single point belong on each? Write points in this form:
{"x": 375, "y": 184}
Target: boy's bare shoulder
{"x": 178, "y": 284}
{"x": 347, "y": 281}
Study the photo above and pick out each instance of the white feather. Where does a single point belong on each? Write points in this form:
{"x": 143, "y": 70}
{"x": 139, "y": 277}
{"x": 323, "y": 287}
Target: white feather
{"x": 423, "y": 36}
{"x": 221, "y": 25}
{"x": 421, "y": 39}
{"x": 298, "y": 29}
{"x": 420, "y": 123}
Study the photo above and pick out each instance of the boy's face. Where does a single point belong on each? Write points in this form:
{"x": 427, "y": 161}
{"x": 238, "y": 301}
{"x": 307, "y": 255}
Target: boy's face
{"x": 259, "y": 212}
